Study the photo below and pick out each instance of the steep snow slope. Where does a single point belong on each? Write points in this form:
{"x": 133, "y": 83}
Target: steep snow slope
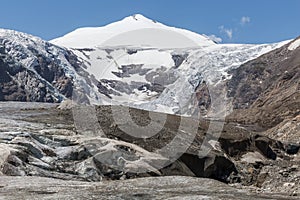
{"x": 294, "y": 45}
{"x": 135, "y": 30}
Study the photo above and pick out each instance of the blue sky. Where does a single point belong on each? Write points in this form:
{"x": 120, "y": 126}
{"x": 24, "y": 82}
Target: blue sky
{"x": 235, "y": 21}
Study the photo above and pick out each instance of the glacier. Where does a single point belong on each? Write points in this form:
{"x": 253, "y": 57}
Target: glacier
{"x": 148, "y": 75}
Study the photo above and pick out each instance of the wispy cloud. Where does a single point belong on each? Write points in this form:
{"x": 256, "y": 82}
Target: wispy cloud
{"x": 227, "y": 31}
{"x": 230, "y": 32}
{"x": 215, "y": 38}
{"x": 244, "y": 20}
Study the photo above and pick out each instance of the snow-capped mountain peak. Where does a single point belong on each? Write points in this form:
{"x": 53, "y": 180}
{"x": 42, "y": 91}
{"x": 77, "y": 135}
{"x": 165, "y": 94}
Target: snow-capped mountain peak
{"x": 114, "y": 65}
{"x": 139, "y": 18}
{"x": 135, "y": 30}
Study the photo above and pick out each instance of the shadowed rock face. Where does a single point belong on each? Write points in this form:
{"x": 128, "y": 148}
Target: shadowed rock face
{"x": 34, "y": 70}
{"x": 263, "y": 81}
{"x": 43, "y": 83}
{"x": 266, "y": 93}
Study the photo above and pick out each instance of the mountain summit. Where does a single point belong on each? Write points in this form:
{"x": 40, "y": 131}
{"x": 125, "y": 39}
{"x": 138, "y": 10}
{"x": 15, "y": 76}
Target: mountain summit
{"x": 135, "y": 30}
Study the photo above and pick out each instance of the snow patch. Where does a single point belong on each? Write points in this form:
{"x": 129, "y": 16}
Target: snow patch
{"x": 294, "y": 45}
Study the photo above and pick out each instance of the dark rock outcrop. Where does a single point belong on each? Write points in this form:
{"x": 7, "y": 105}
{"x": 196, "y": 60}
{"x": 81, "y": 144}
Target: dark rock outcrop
{"x": 34, "y": 70}
{"x": 267, "y": 88}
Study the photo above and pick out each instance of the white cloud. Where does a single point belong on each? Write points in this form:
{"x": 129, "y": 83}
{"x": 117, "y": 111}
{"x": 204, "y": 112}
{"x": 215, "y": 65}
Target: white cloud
{"x": 228, "y": 32}
{"x": 245, "y": 20}
{"x": 215, "y": 38}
